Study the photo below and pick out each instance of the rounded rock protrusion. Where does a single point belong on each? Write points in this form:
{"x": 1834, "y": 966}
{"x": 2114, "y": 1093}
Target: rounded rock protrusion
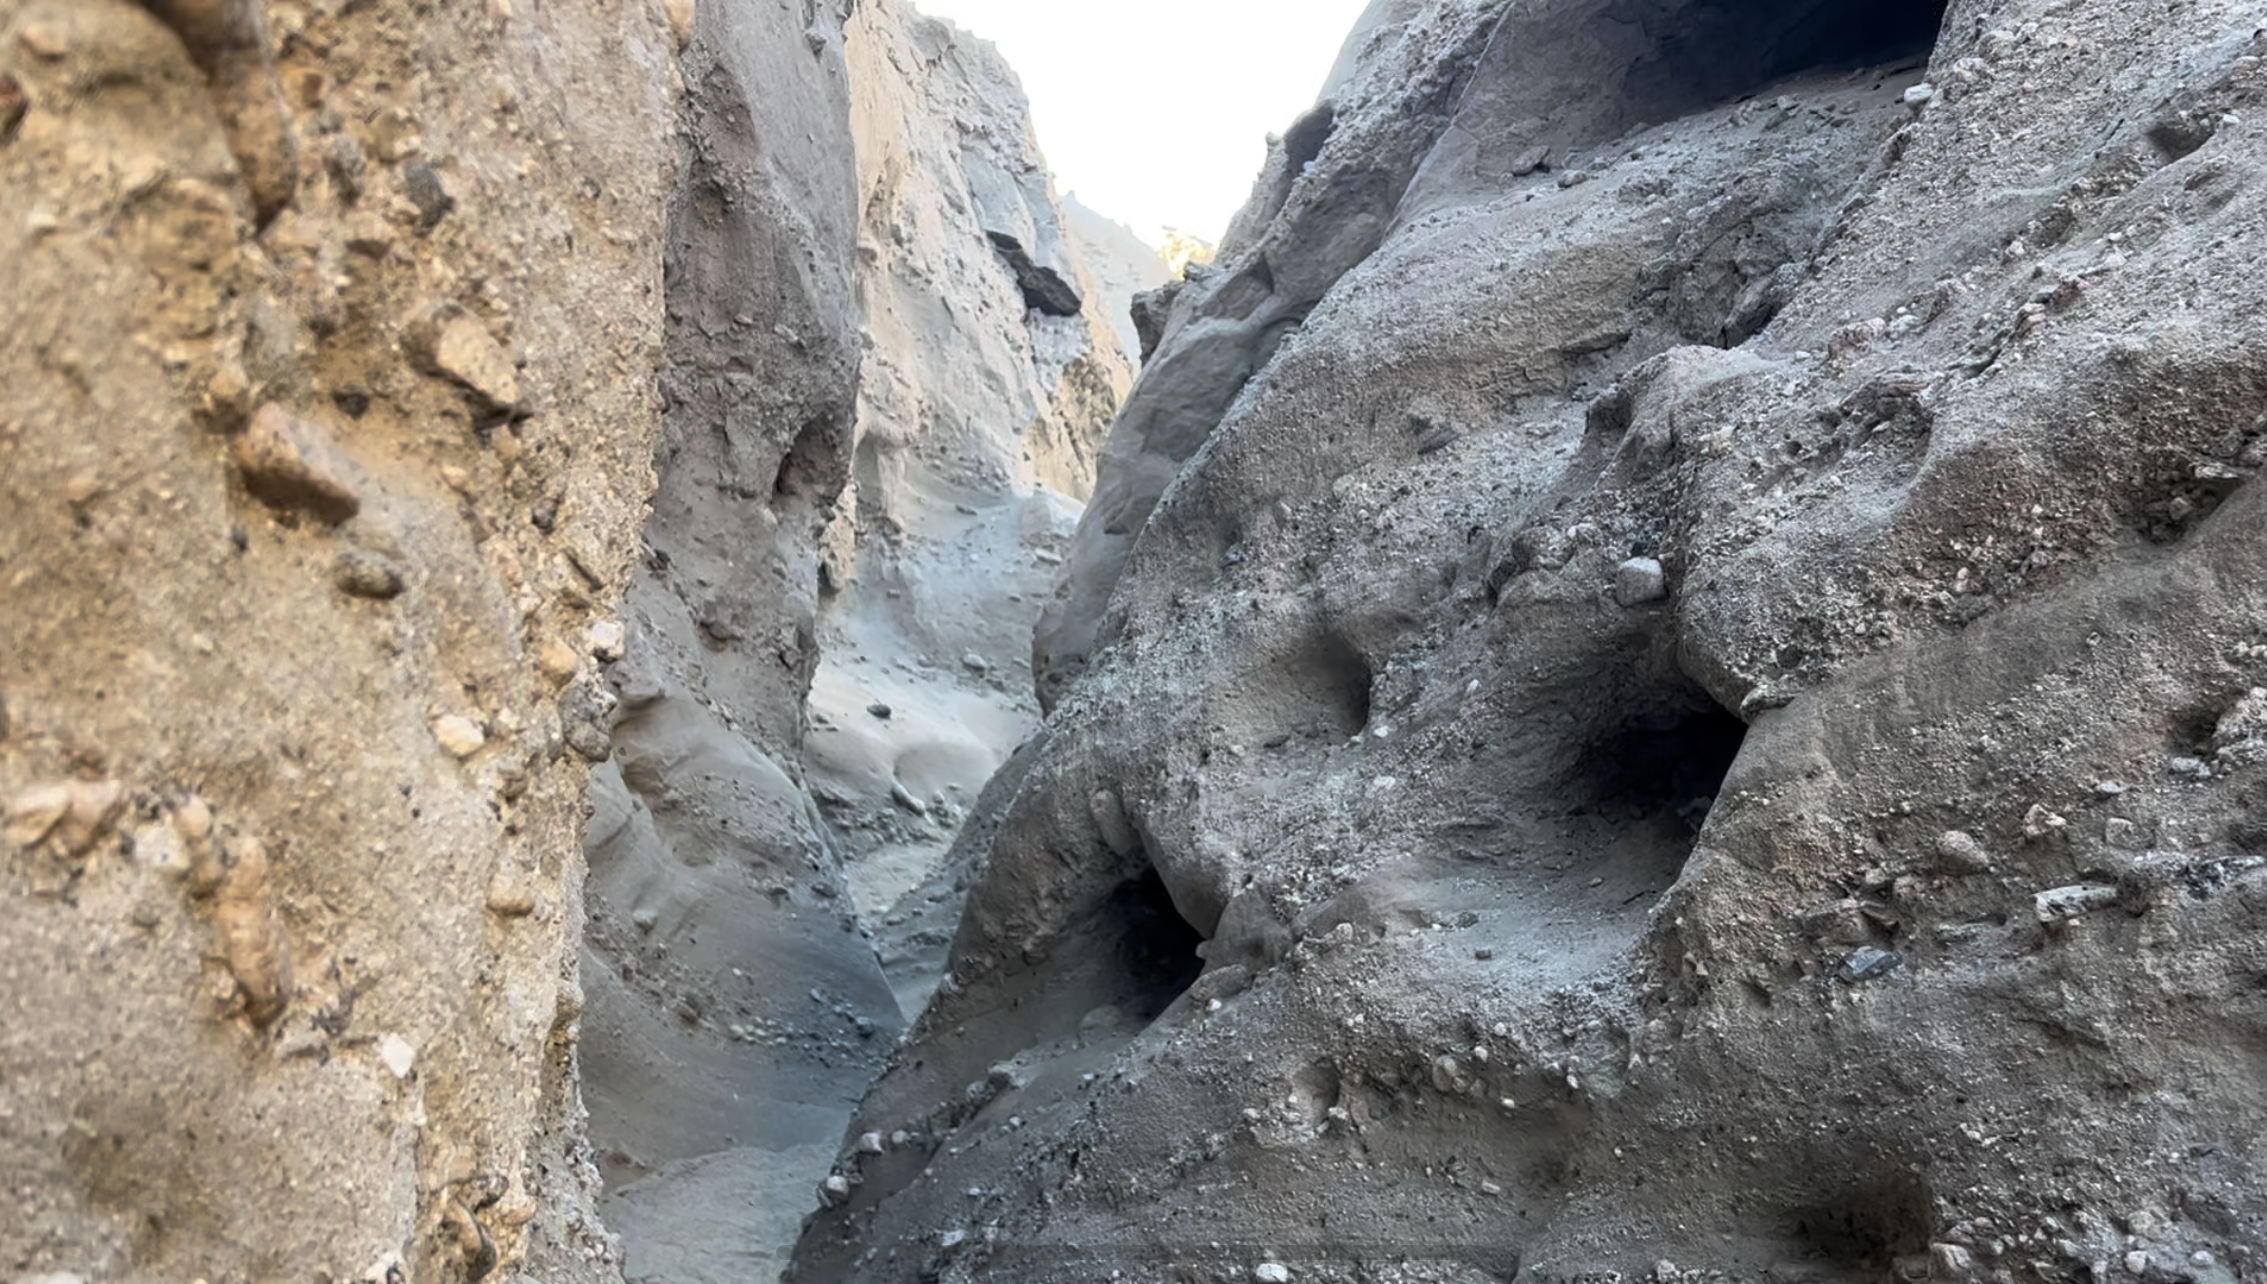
{"x": 459, "y": 735}
{"x": 1958, "y": 852}
{"x": 290, "y": 464}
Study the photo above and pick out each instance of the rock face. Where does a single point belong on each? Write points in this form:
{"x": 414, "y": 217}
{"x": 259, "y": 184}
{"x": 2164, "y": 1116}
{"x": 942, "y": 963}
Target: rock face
{"x": 732, "y": 1003}
{"x": 293, "y": 629}
{"x": 877, "y": 433}
{"x": 1662, "y": 681}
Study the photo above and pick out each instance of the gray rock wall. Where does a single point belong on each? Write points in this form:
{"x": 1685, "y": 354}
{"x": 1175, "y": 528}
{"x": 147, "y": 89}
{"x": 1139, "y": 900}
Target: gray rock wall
{"x": 1694, "y": 719}
{"x": 873, "y": 434}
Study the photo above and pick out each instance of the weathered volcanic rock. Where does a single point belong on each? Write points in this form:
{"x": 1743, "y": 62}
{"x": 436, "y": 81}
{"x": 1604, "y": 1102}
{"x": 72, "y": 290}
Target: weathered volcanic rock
{"x": 1538, "y": 930}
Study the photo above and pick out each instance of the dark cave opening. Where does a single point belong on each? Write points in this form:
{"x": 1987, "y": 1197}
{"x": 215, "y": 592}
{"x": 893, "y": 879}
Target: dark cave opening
{"x": 1306, "y": 137}
{"x": 1668, "y": 761}
{"x": 1156, "y": 948}
{"x": 812, "y": 472}
{"x": 1866, "y": 1229}
{"x": 1834, "y": 35}
{"x": 1635, "y": 63}
{"x": 1713, "y": 51}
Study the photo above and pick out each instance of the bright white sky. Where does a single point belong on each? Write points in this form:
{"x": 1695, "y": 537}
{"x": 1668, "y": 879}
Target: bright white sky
{"x": 1156, "y": 112}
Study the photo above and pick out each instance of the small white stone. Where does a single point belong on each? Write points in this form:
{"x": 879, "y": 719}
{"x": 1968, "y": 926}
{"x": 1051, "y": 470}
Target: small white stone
{"x": 1640, "y": 580}
{"x": 976, "y": 663}
{"x": 2137, "y": 1263}
{"x": 608, "y": 640}
{"x": 397, "y": 1055}
{"x": 460, "y": 735}
{"x": 160, "y": 847}
{"x": 835, "y": 1188}
{"x": 1919, "y": 94}
{"x": 1272, "y": 1273}
{"x": 871, "y": 1144}
{"x": 2202, "y": 1258}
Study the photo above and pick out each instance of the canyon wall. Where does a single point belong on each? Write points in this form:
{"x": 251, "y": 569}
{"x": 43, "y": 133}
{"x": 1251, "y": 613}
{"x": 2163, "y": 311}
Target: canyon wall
{"x": 1664, "y": 680}
{"x": 885, "y": 388}
{"x": 428, "y": 429}
{"x": 326, "y": 432}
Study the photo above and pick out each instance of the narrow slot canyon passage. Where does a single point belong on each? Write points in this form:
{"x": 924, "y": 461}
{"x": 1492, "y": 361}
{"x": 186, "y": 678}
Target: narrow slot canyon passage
{"x": 1453, "y": 642}
{"x": 799, "y": 802}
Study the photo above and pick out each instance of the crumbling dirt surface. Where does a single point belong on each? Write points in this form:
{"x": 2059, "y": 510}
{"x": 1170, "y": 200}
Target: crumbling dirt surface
{"x": 326, "y": 428}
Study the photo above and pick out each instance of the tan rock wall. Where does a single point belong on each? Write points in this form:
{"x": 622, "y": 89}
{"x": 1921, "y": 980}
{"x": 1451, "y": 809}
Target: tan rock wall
{"x": 297, "y": 612}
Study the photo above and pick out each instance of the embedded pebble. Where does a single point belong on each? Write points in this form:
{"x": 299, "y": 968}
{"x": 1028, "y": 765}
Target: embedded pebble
{"x": 1640, "y": 580}
{"x": 976, "y": 663}
{"x": 1951, "y": 1262}
{"x": 509, "y": 894}
{"x": 251, "y": 937}
{"x": 292, "y": 465}
{"x": 1959, "y": 852}
{"x": 160, "y": 847}
{"x": 423, "y": 186}
{"x": 2076, "y": 901}
{"x": 879, "y": 710}
{"x": 609, "y": 641}
{"x": 1272, "y": 1273}
{"x": 361, "y": 572}
{"x": 556, "y": 660}
{"x": 34, "y": 813}
{"x": 397, "y": 1056}
{"x": 871, "y": 1144}
{"x": 43, "y": 42}
{"x": 1919, "y": 94}
{"x": 13, "y": 105}
{"x": 444, "y": 340}
{"x": 75, "y": 813}
{"x": 1868, "y": 964}
{"x": 2137, "y": 1263}
{"x": 835, "y": 1189}
{"x": 459, "y": 735}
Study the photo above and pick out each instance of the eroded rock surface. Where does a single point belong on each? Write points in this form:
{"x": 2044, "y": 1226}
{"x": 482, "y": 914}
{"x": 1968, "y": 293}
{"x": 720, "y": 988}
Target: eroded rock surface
{"x": 1655, "y": 686}
{"x": 874, "y": 443}
{"x": 290, "y": 676}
